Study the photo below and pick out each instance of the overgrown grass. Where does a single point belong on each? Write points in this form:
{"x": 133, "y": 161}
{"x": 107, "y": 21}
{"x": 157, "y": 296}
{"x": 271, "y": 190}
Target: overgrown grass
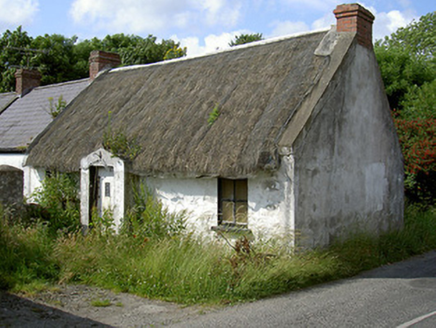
{"x": 181, "y": 268}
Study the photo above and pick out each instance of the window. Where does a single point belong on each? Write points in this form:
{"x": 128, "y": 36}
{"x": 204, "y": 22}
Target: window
{"x": 232, "y": 202}
{"x": 107, "y": 189}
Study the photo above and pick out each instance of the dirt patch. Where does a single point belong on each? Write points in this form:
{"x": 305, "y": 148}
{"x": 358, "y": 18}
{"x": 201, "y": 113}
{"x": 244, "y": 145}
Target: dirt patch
{"x": 84, "y": 306}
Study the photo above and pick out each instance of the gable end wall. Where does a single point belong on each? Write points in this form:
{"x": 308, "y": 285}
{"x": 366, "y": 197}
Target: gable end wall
{"x": 348, "y": 162}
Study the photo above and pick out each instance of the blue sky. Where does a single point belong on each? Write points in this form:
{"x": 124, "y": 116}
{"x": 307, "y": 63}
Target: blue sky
{"x": 200, "y": 25}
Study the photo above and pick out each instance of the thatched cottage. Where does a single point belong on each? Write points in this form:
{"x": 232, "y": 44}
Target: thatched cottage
{"x": 280, "y": 136}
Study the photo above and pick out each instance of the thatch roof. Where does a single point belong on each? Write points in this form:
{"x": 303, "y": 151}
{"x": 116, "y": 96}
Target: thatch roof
{"x": 256, "y": 90}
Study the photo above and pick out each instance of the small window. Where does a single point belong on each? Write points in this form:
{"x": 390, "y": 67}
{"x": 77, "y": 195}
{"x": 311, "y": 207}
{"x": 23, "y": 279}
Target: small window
{"x": 107, "y": 189}
{"x": 232, "y": 202}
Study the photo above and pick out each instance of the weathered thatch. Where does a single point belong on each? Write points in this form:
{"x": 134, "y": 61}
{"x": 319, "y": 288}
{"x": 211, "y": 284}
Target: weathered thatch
{"x": 256, "y": 90}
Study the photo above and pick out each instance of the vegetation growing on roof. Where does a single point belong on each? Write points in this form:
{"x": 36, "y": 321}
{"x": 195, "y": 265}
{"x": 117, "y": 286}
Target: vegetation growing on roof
{"x": 118, "y": 143}
{"x": 55, "y": 108}
{"x": 213, "y": 115}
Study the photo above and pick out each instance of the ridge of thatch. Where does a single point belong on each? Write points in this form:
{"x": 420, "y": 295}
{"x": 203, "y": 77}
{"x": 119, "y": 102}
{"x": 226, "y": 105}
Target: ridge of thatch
{"x": 215, "y": 115}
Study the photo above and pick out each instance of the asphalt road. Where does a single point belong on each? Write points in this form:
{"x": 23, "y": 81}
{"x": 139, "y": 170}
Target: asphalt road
{"x": 399, "y": 295}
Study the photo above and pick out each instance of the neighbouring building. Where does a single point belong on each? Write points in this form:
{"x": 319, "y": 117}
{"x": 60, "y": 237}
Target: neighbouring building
{"x": 25, "y": 113}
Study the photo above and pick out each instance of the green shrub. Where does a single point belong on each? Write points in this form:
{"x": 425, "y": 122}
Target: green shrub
{"x": 58, "y": 202}
{"x": 25, "y": 254}
{"x": 118, "y": 143}
{"x": 149, "y": 218}
{"x": 418, "y": 143}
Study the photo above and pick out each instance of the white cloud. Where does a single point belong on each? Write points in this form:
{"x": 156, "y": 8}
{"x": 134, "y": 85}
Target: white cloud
{"x": 288, "y": 27}
{"x": 17, "y": 12}
{"x": 319, "y": 5}
{"x": 210, "y": 43}
{"x": 387, "y": 23}
{"x": 151, "y": 16}
{"x": 324, "y": 22}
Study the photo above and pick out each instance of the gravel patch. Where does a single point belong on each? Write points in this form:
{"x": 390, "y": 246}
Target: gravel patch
{"x": 84, "y": 306}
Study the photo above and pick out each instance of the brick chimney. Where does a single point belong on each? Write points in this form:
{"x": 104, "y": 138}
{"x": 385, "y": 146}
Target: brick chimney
{"x": 100, "y": 61}
{"x": 26, "y": 80}
{"x": 355, "y": 18}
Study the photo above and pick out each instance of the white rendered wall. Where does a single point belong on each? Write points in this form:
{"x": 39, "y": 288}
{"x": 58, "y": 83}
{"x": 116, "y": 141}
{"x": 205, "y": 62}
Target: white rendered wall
{"x": 270, "y": 201}
{"x": 32, "y": 177}
{"x": 198, "y": 197}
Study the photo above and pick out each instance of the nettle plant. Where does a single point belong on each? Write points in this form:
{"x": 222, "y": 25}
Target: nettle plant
{"x": 213, "y": 115}
{"x": 418, "y": 142}
{"x": 55, "y": 108}
{"x": 118, "y": 143}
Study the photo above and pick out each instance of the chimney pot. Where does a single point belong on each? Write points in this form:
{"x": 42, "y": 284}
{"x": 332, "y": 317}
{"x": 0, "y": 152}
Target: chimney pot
{"x": 26, "y": 80}
{"x": 355, "y": 18}
{"x": 102, "y": 60}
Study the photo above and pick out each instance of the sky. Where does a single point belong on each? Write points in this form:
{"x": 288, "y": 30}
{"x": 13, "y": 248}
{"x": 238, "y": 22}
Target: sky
{"x": 202, "y": 26}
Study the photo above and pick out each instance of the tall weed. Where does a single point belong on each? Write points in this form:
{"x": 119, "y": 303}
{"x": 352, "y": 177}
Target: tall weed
{"x": 150, "y": 219}
{"x": 25, "y": 254}
{"x": 179, "y": 267}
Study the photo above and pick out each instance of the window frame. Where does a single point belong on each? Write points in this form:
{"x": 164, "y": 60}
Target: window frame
{"x": 235, "y": 201}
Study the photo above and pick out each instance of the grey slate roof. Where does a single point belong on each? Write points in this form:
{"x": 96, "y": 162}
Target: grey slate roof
{"x": 28, "y": 116}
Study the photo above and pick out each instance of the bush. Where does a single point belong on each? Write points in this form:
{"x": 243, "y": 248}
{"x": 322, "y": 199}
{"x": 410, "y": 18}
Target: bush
{"x": 58, "y": 202}
{"x": 25, "y": 254}
{"x": 149, "y": 218}
{"x": 418, "y": 142}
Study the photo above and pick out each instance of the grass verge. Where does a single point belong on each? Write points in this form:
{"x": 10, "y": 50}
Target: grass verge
{"x": 183, "y": 269}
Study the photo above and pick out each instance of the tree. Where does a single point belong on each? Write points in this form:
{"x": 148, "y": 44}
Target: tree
{"x": 56, "y": 59}
{"x": 418, "y": 38}
{"x": 420, "y": 102}
{"x": 245, "y": 38}
{"x": 400, "y": 72}
{"x": 407, "y": 59}
{"x": 145, "y": 50}
{"x": 12, "y": 56}
{"x": 408, "y": 67}
{"x": 60, "y": 59}
{"x": 175, "y": 52}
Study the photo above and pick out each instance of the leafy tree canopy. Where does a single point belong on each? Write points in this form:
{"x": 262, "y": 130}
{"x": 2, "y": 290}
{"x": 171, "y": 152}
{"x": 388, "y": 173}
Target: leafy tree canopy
{"x": 408, "y": 65}
{"x": 245, "y": 38}
{"x": 62, "y": 59}
{"x": 418, "y": 38}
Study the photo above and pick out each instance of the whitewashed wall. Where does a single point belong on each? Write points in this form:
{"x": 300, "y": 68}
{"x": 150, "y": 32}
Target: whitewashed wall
{"x": 198, "y": 197}
{"x": 32, "y": 177}
{"x": 270, "y": 201}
